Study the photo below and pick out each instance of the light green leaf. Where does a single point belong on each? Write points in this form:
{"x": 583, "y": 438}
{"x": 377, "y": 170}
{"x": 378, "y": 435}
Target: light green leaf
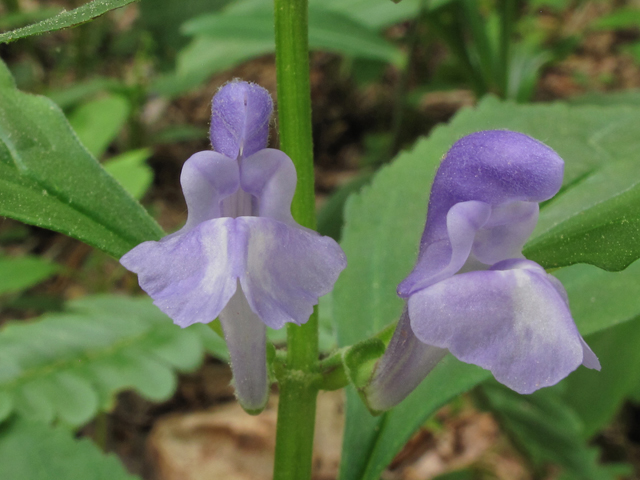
{"x": 21, "y": 273}
{"x": 98, "y": 122}
{"x": 131, "y": 171}
{"x": 66, "y": 19}
{"x": 35, "y": 451}
{"x": 381, "y": 236}
{"x": 48, "y": 179}
{"x": 69, "y": 366}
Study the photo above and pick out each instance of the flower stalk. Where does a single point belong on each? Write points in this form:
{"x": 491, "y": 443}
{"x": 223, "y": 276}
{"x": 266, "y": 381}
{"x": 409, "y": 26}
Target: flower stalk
{"x": 296, "y": 410}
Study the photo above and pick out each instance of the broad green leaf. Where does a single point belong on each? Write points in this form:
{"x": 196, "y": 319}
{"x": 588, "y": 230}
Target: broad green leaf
{"x": 597, "y": 396}
{"x": 36, "y": 451}
{"x": 595, "y": 221}
{"x": 381, "y": 235}
{"x": 131, "y": 171}
{"x": 66, "y": 19}
{"x": 20, "y": 273}
{"x": 69, "y": 366}
{"x": 98, "y": 122}
{"x": 48, "y": 179}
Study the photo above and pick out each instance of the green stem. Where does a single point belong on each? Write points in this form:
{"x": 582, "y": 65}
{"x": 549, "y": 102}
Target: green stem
{"x": 298, "y": 388}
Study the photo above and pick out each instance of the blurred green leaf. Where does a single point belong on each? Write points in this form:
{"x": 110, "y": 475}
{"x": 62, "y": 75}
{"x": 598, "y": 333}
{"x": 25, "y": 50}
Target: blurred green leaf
{"x": 50, "y": 180}
{"x": 79, "y": 91}
{"x": 619, "y": 19}
{"x": 98, "y": 122}
{"x": 328, "y": 30}
{"x": 597, "y": 396}
{"x": 223, "y": 40}
{"x": 381, "y": 235}
{"x": 69, "y": 366}
{"x": 546, "y": 430}
{"x": 35, "y": 451}
{"x": 131, "y": 171}
{"x": 20, "y": 273}
{"x": 164, "y": 17}
{"x": 66, "y": 19}
{"x": 625, "y": 98}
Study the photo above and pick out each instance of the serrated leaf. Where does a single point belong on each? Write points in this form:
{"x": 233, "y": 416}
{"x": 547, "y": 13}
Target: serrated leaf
{"x": 595, "y": 221}
{"x": 66, "y": 19}
{"x": 48, "y": 179}
{"x": 381, "y": 237}
{"x": 35, "y": 451}
{"x": 20, "y": 273}
{"x": 68, "y": 366}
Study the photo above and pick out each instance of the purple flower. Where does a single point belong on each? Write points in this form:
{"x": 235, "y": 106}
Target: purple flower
{"x": 240, "y": 256}
{"x": 472, "y": 293}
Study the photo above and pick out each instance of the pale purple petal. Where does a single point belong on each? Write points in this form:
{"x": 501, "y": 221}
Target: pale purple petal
{"x": 287, "y": 269}
{"x": 446, "y": 256}
{"x": 512, "y": 322}
{"x": 207, "y": 178}
{"x": 240, "y": 115}
{"x": 500, "y": 168}
{"x": 405, "y": 363}
{"x": 270, "y": 176}
{"x": 589, "y": 360}
{"x": 192, "y": 276}
{"x": 246, "y": 338}
{"x": 506, "y": 232}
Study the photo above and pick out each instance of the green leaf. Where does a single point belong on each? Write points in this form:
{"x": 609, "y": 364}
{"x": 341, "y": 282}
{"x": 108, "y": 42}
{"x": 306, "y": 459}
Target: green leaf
{"x": 98, "y": 122}
{"x": 35, "y": 451}
{"x": 48, "y": 179}
{"x": 69, "y": 366}
{"x": 617, "y": 20}
{"x": 131, "y": 171}
{"x": 381, "y": 236}
{"x": 66, "y": 19}
{"x": 595, "y": 221}
{"x": 21, "y": 273}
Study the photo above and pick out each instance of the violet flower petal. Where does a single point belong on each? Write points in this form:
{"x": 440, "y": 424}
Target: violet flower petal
{"x": 406, "y": 362}
{"x": 207, "y": 178}
{"x": 287, "y": 269}
{"x": 192, "y": 276}
{"x": 246, "y": 337}
{"x": 445, "y": 257}
{"x": 270, "y": 176}
{"x": 240, "y": 114}
{"x": 510, "y": 320}
{"x": 499, "y": 168}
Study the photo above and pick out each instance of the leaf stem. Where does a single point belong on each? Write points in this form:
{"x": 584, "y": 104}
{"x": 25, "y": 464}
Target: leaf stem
{"x": 298, "y": 390}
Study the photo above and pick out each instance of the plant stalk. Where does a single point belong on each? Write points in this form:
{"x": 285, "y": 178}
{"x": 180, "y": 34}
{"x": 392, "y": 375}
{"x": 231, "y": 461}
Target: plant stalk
{"x": 298, "y": 391}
